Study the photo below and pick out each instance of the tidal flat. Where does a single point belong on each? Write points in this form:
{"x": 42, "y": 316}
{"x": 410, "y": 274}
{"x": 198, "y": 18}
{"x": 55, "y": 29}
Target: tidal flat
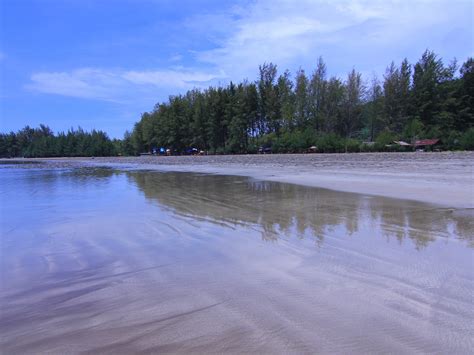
{"x": 119, "y": 260}
{"x": 442, "y": 178}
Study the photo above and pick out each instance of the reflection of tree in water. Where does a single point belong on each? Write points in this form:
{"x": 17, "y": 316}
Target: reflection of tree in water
{"x": 422, "y": 223}
{"x": 50, "y": 180}
{"x": 276, "y": 208}
{"x": 283, "y": 208}
{"x": 464, "y": 224}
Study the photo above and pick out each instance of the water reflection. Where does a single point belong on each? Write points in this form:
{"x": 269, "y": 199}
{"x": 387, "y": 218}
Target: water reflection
{"x": 283, "y": 209}
{"x": 120, "y": 258}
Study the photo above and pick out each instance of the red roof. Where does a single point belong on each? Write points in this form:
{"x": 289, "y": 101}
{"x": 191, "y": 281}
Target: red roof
{"x": 426, "y": 142}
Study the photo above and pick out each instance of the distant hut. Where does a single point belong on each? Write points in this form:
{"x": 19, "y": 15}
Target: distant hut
{"x": 424, "y": 144}
{"x": 419, "y": 145}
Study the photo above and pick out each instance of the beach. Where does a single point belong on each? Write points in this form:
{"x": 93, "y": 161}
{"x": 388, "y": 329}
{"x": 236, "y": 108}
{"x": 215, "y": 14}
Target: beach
{"x": 444, "y": 179}
{"x": 232, "y": 254}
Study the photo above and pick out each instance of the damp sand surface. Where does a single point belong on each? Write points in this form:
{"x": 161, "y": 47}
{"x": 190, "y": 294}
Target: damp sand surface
{"x": 445, "y": 178}
{"x": 102, "y": 260}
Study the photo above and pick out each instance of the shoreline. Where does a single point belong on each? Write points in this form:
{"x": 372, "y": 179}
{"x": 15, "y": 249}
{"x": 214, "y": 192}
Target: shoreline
{"x": 444, "y": 179}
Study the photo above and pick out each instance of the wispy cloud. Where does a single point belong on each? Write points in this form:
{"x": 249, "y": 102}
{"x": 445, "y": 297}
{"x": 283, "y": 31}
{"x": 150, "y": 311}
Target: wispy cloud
{"x": 176, "y": 58}
{"x": 117, "y": 85}
{"x": 361, "y": 33}
{"x": 182, "y": 79}
{"x": 84, "y": 83}
{"x": 292, "y": 33}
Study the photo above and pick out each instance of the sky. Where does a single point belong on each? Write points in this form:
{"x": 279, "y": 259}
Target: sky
{"x": 100, "y": 64}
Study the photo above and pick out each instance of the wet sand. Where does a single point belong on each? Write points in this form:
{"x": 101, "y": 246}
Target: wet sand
{"x": 445, "y": 179}
{"x": 130, "y": 261}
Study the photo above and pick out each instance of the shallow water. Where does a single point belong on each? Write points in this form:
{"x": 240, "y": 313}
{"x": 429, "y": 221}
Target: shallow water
{"x": 101, "y": 260}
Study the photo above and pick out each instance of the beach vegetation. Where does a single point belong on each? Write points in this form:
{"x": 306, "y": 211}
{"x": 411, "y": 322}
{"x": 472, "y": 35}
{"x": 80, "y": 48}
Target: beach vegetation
{"x": 310, "y": 112}
{"x": 429, "y": 99}
{"x": 42, "y": 142}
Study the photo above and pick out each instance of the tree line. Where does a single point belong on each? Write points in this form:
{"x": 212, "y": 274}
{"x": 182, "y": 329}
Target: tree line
{"x": 42, "y": 142}
{"x": 429, "y": 99}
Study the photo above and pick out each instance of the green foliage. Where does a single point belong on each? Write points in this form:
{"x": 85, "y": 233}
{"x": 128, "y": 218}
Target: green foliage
{"x": 427, "y": 100}
{"x": 385, "y": 142}
{"x": 413, "y": 130}
{"x": 424, "y": 101}
{"x": 41, "y": 142}
{"x": 452, "y": 140}
{"x": 467, "y": 139}
{"x": 385, "y": 137}
{"x": 330, "y": 143}
{"x": 352, "y": 145}
{"x": 368, "y": 148}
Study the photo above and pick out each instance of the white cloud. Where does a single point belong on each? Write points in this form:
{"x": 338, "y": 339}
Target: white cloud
{"x": 118, "y": 85}
{"x": 363, "y": 34}
{"x": 292, "y": 33}
{"x": 183, "y": 79}
{"x": 176, "y": 58}
{"x": 84, "y": 83}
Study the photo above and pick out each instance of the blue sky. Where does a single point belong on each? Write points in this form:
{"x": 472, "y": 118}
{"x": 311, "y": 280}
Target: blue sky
{"x": 101, "y": 63}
